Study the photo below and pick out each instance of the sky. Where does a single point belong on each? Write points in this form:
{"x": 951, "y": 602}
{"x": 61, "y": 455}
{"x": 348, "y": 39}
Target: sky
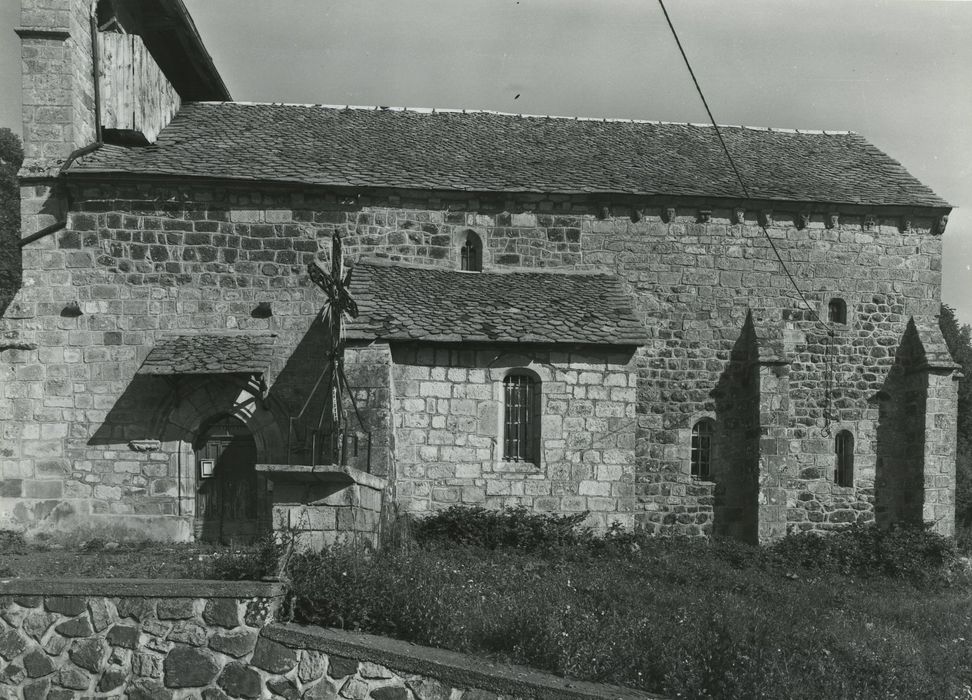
{"x": 897, "y": 71}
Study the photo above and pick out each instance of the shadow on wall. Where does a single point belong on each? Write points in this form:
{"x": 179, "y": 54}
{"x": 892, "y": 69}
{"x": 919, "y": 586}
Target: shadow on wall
{"x": 899, "y": 474}
{"x": 296, "y": 389}
{"x": 736, "y": 438}
{"x": 11, "y": 263}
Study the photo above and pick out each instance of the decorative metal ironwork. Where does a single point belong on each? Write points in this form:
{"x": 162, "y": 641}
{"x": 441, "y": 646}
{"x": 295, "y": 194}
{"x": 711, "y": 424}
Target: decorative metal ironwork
{"x": 328, "y": 440}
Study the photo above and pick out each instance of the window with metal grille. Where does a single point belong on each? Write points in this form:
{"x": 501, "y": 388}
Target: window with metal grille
{"x": 521, "y": 418}
{"x": 844, "y": 447}
{"x": 837, "y": 311}
{"x": 471, "y": 255}
{"x": 702, "y": 450}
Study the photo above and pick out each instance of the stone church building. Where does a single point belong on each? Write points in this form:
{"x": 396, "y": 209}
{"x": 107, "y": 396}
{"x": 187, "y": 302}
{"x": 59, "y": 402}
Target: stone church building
{"x": 565, "y": 314}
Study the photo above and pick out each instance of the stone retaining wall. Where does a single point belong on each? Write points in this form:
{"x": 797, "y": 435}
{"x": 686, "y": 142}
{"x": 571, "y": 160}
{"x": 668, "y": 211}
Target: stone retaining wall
{"x": 148, "y": 639}
{"x": 210, "y": 640}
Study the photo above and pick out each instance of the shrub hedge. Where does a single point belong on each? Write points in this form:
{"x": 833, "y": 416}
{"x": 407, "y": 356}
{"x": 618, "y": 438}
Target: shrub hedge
{"x": 686, "y": 618}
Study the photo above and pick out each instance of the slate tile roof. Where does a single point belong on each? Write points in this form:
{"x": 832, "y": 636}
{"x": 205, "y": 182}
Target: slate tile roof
{"x": 398, "y": 302}
{"x": 490, "y": 152}
{"x": 210, "y": 353}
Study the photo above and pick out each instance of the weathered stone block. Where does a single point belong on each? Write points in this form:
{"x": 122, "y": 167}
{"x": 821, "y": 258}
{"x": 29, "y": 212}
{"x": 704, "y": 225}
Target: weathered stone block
{"x": 240, "y": 681}
{"x": 147, "y": 664}
{"x": 224, "y": 612}
{"x": 124, "y": 636}
{"x": 111, "y": 679}
{"x": 12, "y": 644}
{"x": 142, "y": 689}
{"x": 13, "y": 674}
{"x": 38, "y": 664}
{"x": 28, "y": 601}
{"x": 73, "y": 678}
{"x": 341, "y": 666}
{"x": 55, "y": 644}
{"x": 429, "y": 689}
{"x": 214, "y": 694}
{"x": 189, "y": 667}
{"x": 312, "y": 666}
{"x": 36, "y": 690}
{"x": 283, "y": 687}
{"x": 188, "y": 632}
{"x": 89, "y": 654}
{"x": 367, "y": 669}
{"x": 236, "y": 644}
{"x": 175, "y": 608}
{"x": 137, "y": 608}
{"x": 77, "y": 627}
{"x": 322, "y": 690}
{"x": 66, "y": 605}
{"x": 100, "y": 613}
{"x": 156, "y": 628}
{"x": 354, "y": 689}
{"x": 273, "y": 657}
{"x": 390, "y": 692}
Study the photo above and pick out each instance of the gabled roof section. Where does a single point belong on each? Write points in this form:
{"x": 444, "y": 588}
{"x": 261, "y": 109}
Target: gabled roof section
{"x": 210, "y": 353}
{"x": 406, "y": 303}
{"x": 491, "y": 152}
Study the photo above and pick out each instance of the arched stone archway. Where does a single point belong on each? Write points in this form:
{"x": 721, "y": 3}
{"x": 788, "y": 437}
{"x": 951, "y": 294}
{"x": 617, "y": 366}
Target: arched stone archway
{"x": 183, "y": 422}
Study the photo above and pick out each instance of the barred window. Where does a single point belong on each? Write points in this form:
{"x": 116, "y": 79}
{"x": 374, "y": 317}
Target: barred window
{"x": 521, "y": 418}
{"x": 844, "y": 447}
{"x": 702, "y": 450}
{"x": 471, "y": 255}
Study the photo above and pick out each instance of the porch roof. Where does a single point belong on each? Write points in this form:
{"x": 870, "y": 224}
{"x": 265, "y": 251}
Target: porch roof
{"x": 228, "y": 352}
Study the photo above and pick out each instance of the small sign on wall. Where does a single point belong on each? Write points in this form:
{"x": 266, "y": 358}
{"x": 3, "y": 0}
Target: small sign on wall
{"x": 206, "y": 468}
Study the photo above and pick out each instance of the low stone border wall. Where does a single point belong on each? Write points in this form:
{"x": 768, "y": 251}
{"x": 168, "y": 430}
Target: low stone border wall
{"x": 74, "y": 638}
{"x": 356, "y": 665}
{"x": 212, "y": 640}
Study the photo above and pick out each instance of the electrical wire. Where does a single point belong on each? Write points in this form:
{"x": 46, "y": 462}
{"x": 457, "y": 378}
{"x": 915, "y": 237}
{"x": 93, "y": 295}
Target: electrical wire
{"x": 732, "y": 164}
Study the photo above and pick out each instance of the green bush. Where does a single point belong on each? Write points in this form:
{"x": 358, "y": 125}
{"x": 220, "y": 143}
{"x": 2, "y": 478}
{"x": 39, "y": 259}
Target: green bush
{"x": 251, "y": 563}
{"x": 517, "y": 528}
{"x": 687, "y": 619}
{"x": 914, "y": 553}
{"x": 12, "y": 542}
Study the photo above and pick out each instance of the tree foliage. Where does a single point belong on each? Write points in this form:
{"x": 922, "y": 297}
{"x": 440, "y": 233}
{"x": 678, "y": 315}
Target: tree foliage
{"x": 11, "y": 157}
{"x": 959, "y": 341}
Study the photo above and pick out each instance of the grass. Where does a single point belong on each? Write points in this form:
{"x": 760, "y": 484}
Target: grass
{"x": 679, "y": 617}
{"x": 81, "y": 554}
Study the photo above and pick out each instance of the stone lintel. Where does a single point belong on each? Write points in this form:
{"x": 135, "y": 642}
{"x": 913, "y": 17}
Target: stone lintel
{"x": 333, "y": 473}
{"x": 43, "y": 33}
{"x": 451, "y": 667}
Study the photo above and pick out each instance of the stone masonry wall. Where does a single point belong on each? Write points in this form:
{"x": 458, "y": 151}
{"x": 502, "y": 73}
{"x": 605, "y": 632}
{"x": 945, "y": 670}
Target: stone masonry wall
{"x": 176, "y": 640}
{"x": 58, "y": 81}
{"x": 142, "y": 260}
{"x": 448, "y": 431}
{"x": 148, "y": 640}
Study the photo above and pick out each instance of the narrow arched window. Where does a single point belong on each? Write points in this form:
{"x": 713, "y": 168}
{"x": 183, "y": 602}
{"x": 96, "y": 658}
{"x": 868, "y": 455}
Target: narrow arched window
{"x": 702, "y": 450}
{"x": 844, "y": 447}
{"x": 837, "y": 311}
{"x": 521, "y": 418}
{"x": 471, "y": 255}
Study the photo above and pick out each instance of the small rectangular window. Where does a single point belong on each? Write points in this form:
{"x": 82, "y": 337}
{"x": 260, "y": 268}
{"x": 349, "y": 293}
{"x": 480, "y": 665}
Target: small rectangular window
{"x": 702, "y": 450}
{"x": 844, "y": 447}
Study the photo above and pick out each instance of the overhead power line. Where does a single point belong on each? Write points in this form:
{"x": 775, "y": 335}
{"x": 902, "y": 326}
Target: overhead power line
{"x": 732, "y": 164}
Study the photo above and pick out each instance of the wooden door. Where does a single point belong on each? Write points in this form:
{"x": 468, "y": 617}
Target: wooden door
{"x": 231, "y": 505}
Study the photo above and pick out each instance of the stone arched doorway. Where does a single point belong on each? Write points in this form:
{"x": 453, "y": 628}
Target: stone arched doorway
{"x": 232, "y": 503}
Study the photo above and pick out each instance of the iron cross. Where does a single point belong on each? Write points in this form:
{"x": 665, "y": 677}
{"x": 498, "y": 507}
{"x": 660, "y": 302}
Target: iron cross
{"x": 339, "y": 302}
